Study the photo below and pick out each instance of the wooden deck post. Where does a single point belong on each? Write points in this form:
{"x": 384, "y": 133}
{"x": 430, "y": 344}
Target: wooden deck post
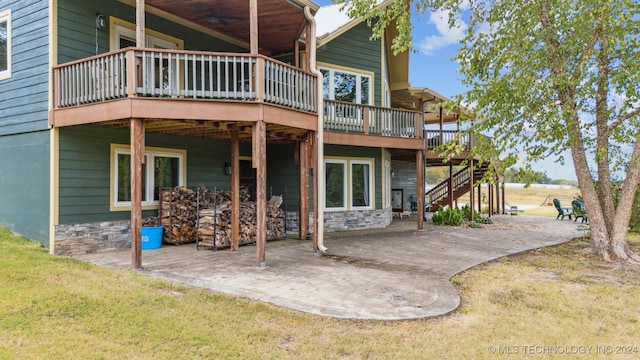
{"x": 253, "y": 26}
{"x": 490, "y": 198}
{"x": 471, "y": 187}
{"x": 259, "y": 162}
{"x": 235, "y": 190}
{"x": 140, "y": 24}
{"x": 504, "y": 211}
{"x": 303, "y": 216}
{"x": 480, "y": 198}
{"x": 450, "y": 185}
{"x": 137, "y": 154}
{"x": 420, "y": 187}
{"x": 498, "y": 197}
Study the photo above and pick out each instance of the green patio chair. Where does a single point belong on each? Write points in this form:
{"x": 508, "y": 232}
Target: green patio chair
{"x": 562, "y": 211}
{"x": 579, "y": 210}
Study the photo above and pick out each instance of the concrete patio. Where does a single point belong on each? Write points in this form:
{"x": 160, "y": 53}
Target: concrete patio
{"x": 386, "y": 274}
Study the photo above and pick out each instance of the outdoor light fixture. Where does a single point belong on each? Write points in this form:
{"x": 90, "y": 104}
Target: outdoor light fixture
{"x": 101, "y": 22}
{"x": 227, "y": 168}
{"x": 393, "y": 173}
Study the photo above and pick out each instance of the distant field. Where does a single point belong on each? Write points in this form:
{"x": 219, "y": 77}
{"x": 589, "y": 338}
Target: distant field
{"x": 537, "y": 201}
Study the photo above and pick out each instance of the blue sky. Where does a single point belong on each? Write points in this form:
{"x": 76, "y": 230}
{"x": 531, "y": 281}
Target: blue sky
{"x": 432, "y": 66}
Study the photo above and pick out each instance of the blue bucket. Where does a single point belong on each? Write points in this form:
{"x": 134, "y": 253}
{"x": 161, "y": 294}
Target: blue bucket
{"x": 151, "y": 237}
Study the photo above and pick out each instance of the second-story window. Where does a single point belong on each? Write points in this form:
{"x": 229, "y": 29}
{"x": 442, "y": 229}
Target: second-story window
{"x": 342, "y": 85}
{"x": 5, "y": 44}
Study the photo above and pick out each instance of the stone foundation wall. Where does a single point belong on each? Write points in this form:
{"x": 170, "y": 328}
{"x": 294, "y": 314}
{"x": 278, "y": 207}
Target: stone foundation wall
{"x": 73, "y": 239}
{"x": 357, "y": 220}
{"x": 345, "y": 220}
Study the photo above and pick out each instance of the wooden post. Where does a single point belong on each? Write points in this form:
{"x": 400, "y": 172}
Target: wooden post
{"x": 235, "y": 190}
{"x": 259, "y": 160}
{"x": 420, "y": 187}
{"x": 480, "y": 198}
{"x": 303, "y": 215}
{"x": 498, "y": 197}
{"x": 450, "y": 185}
{"x": 503, "y": 201}
{"x": 490, "y": 198}
{"x": 471, "y": 187}
{"x": 366, "y": 120}
{"x": 140, "y": 24}
{"x": 253, "y": 26}
{"x": 137, "y": 154}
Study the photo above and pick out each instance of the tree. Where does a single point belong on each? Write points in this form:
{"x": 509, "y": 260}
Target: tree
{"x": 549, "y": 75}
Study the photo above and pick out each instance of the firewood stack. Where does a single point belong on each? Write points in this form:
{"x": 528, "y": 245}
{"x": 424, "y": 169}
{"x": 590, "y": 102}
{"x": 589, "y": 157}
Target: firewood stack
{"x": 178, "y": 212}
{"x": 206, "y": 214}
{"x": 218, "y": 222}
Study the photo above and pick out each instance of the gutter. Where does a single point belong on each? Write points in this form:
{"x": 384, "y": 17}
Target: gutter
{"x": 319, "y": 173}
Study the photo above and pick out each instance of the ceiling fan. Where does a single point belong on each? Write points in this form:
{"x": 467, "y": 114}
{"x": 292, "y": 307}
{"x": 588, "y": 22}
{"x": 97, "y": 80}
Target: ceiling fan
{"x": 215, "y": 17}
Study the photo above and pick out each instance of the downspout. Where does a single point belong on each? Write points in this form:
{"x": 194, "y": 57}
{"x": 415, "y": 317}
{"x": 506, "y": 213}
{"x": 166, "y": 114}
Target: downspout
{"x": 319, "y": 173}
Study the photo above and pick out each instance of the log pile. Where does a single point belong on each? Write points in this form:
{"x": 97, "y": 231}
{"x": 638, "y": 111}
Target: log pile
{"x": 178, "y": 213}
{"x": 202, "y": 216}
{"x": 215, "y": 223}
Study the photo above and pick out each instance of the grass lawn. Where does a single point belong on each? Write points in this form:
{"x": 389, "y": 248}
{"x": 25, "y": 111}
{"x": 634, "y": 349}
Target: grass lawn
{"x": 537, "y": 201}
{"x": 559, "y": 299}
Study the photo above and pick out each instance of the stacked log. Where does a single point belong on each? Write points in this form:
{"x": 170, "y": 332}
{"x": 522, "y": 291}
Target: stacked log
{"x": 178, "y": 213}
{"x": 204, "y": 215}
{"x": 215, "y": 223}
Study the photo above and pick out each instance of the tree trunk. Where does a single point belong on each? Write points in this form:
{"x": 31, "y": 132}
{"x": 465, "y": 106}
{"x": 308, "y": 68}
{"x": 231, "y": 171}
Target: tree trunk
{"x": 625, "y": 205}
{"x": 600, "y": 237}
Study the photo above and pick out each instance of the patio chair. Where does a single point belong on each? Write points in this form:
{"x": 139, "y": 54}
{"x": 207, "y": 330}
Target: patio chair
{"x": 579, "y": 210}
{"x": 562, "y": 211}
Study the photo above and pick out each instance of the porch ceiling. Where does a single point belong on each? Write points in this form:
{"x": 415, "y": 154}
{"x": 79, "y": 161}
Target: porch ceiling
{"x": 280, "y": 24}
{"x": 217, "y": 130}
{"x": 410, "y": 98}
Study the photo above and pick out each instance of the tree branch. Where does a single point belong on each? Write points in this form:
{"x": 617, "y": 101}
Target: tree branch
{"x": 623, "y": 118}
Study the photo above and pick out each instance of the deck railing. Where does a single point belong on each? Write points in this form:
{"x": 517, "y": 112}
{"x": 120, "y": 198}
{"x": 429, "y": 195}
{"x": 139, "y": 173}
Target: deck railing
{"x": 434, "y": 138}
{"x": 364, "y": 119}
{"x": 440, "y": 192}
{"x": 186, "y": 75}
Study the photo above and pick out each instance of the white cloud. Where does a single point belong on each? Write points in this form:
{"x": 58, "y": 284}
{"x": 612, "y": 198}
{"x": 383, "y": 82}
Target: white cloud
{"x": 445, "y": 35}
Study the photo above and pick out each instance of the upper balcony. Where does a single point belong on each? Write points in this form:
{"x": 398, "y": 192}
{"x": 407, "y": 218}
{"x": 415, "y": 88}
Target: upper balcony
{"x": 356, "y": 124}
{"x": 183, "y": 85}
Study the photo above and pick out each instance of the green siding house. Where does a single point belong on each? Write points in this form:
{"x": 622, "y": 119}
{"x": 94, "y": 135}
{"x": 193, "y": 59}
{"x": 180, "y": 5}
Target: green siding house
{"x": 102, "y": 103}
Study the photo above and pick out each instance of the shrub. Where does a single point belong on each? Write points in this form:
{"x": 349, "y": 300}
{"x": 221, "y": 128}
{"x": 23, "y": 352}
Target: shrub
{"x": 448, "y": 216}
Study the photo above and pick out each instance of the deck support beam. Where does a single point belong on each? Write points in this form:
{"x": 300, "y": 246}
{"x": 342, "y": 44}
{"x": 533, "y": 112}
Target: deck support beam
{"x": 420, "y": 187}
{"x": 137, "y": 154}
{"x": 490, "y": 198}
{"x": 303, "y": 216}
{"x": 235, "y": 190}
{"x": 450, "y": 185}
{"x": 253, "y": 26}
{"x": 259, "y": 162}
{"x": 471, "y": 187}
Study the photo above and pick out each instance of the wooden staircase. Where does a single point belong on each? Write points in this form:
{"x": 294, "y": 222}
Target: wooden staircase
{"x": 459, "y": 183}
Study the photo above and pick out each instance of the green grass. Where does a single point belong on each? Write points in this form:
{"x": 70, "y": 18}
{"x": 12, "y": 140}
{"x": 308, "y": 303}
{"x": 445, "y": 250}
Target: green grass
{"x": 60, "y": 308}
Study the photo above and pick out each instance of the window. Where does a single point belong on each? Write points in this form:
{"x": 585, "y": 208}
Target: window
{"x": 346, "y": 86}
{"x": 168, "y": 170}
{"x": 348, "y": 184}
{"x": 336, "y": 184}
{"x": 5, "y": 44}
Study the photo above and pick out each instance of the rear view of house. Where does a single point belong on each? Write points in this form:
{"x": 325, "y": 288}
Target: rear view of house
{"x": 105, "y": 103}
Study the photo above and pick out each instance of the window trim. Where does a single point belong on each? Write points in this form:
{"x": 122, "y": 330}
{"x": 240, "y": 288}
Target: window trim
{"x": 120, "y": 27}
{"x": 6, "y": 16}
{"x": 345, "y": 182}
{"x": 348, "y": 182}
{"x": 351, "y": 71}
{"x": 149, "y": 154}
{"x": 371, "y": 187}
